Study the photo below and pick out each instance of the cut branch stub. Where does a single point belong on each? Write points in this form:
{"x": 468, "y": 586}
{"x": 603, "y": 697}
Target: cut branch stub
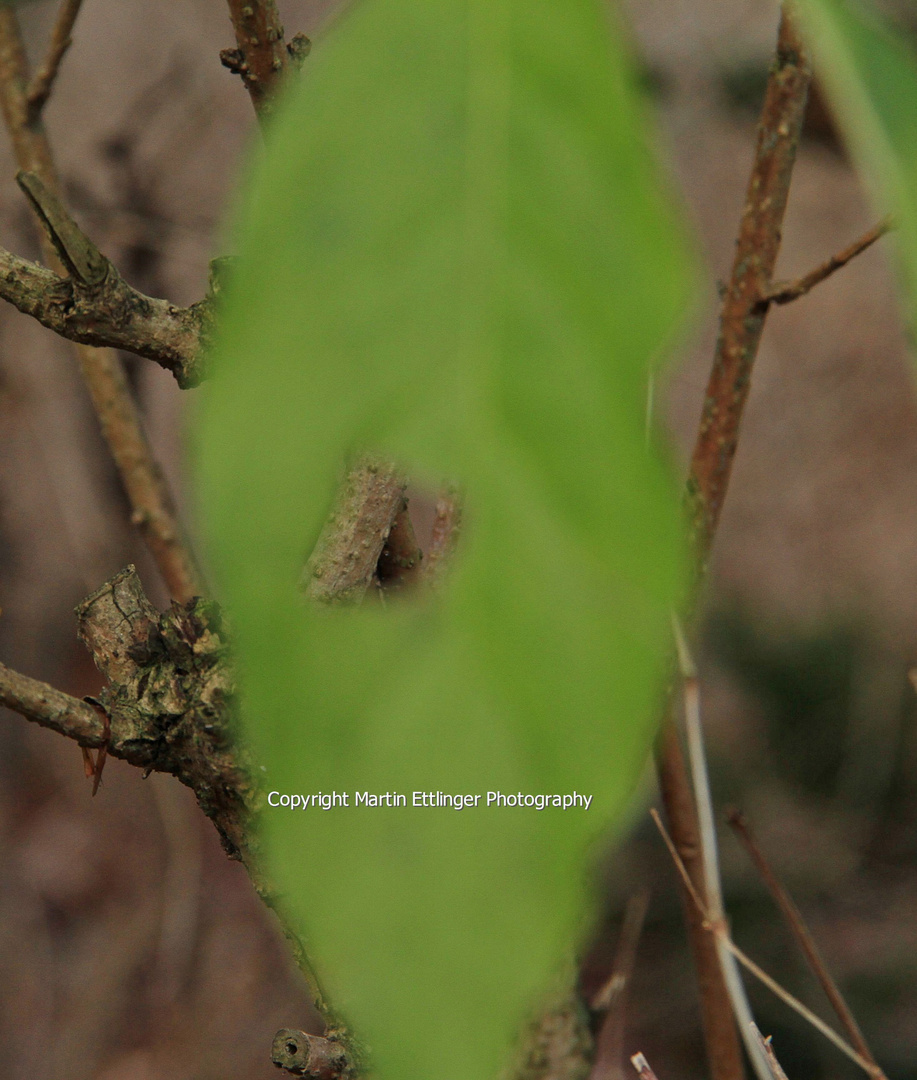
{"x": 298, "y": 48}
{"x": 114, "y": 622}
{"x": 310, "y": 1055}
{"x": 96, "y": 306}
{"x": 77, "y": 252}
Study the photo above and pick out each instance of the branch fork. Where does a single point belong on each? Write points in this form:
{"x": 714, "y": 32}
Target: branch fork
{"x": 94, "y": 305}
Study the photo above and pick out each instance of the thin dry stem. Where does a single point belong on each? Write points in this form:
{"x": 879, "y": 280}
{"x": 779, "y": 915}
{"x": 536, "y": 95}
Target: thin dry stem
{"x": 611, "y": 998}
{"x": 768, "y": 1050}
{"x": 741, "y": 325}
{"x": 782, "y": 292}
{"x": 622, "y": 966}
{"x": 42, "y": 704}
{"x": 42, "y": 83}
{"x": 797, "y": 1006}
{"x": 153, "y": 510}
{"x": 720, "y": 930}
{"x": 802, "y": 935}
{"x": 709, "y": 850}
{"x": 723, "y": 1050}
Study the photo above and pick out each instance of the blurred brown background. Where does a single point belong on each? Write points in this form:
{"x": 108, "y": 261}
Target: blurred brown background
{"x": 130, "y": 949}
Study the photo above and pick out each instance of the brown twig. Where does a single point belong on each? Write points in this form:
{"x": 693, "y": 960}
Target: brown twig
{"x": 713, "y": 889}
{"x": 803, "y": 937}
{"x": 743, "y": 315}
{"x": 110, "y": 313}
{"x": 719, "y": 929}
{"x": 51, "y": 708}
{"x": 723, "y": 1050}
{"x": 782, "y": 292}
{"x": 42, "y": 82}
{"x": 261, "y": 56}
{"x": 741, "y": 325}
{"x": 153, "y": 511}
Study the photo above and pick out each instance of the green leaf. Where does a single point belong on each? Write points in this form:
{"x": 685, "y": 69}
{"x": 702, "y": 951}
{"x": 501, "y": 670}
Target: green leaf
{"x": 870, "y": 70}
{"x": 456, "y": 252}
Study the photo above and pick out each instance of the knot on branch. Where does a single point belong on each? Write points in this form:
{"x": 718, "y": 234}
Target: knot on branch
{"x": 311, "y": 1055}
{"x": 171, "y": 696}
{"x": 299, "y": 48}
{"x": 234, "y": 60}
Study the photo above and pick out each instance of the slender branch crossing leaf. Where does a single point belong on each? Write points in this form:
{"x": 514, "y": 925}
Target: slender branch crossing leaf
{"x": 455, "y": 253}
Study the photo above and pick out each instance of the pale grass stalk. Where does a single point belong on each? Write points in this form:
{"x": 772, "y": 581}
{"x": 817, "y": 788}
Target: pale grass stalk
{"x": 710, "y": 853}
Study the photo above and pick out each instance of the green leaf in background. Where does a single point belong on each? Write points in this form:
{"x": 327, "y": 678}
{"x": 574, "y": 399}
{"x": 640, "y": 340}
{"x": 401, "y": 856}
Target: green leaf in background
{"x": 455, "y": 252}
{"x": 870, "y": 71}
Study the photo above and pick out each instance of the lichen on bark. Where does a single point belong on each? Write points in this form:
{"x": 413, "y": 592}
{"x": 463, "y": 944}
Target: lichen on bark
{"x": 171, "y": 697}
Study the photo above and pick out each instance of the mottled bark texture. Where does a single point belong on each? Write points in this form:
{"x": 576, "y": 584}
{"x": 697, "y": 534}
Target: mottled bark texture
{"x": 346, "y": 558}
{"x": 51, "y": 708}
{"x": 261, "y": 56}
{"x": 171, "y": 698}
{"x": 744, "y": 309}
{"x": 312, "y": 1056}
{"x": 94, "y": 305}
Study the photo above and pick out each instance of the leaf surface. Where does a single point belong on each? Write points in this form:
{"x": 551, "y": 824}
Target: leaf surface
{"x": 870, "y": 70}
{"x": 456, "y": 252}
